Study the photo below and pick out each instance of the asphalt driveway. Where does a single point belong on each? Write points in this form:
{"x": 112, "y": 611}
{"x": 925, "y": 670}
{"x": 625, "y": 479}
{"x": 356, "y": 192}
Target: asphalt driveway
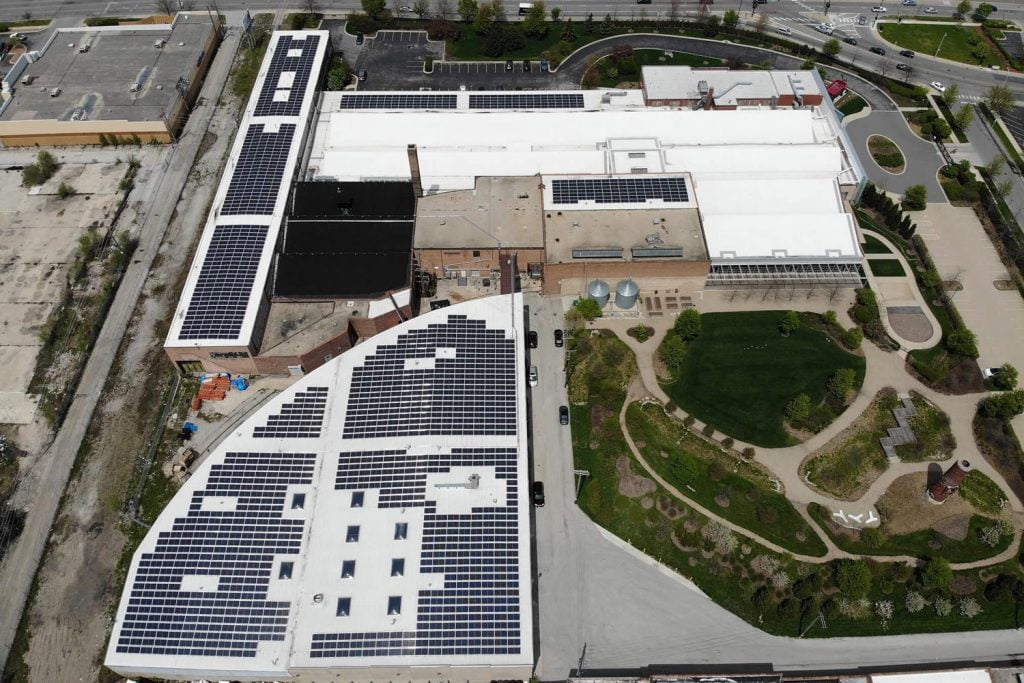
{"x": 922, "y": 157}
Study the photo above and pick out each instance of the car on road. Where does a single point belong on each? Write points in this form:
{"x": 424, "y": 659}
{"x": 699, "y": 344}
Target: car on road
{"x": 508, "y": 65}
{"x": 862, "y": 20}
{"x": 930, "y": 10}
{"x": 877, "y": 50}
{"x": 563, "y": 415}
{"x": 362, "y": 74}
{"x": 938, "y": 86}
{"x": 824, "y": 28}
{"x": 785, "y": 30}
{"x": 878, "y": 9}
{"x": 907, "y": 53}
{"x": 643, "y": 2}
{"x": 405, "y": 8}
{"x": 545, "y": 66}
{"x": 849, "y": 40}
{"x": 531, "y": 337}
{"x": 534, "y": 376}
{"x": 903, "y": 67}
{"x": 526, "y": 65}
{"x": 559, "y": 339}
{"x": 538, "y": 486}
{"x": 989, "y": 373}
{"x": 359, "y": 39}
{"x": 20, "y": 36}
{"x": 910, "y": 3}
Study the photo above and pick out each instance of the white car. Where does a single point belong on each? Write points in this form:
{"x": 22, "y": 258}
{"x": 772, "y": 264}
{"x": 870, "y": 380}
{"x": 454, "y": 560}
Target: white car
{"x": 534, "y": 377}
{"x": 930, "y": 10}
{"x": 878, "y": 9}
{"x": 785, "y": 30}
{"x": 824, "y": 28}
{"x": 989, "y": 373}
{"x": 938, "y": 86}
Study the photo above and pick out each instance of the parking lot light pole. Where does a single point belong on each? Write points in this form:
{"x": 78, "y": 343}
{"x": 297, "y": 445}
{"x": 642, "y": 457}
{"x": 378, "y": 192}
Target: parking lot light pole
{"x": 940, "y": 45}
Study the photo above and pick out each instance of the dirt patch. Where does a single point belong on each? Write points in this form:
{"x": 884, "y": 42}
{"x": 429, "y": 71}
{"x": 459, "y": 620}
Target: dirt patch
{"x": 670, "y": 508}
{"x": 646, "y": 502}
{"x": 632, "y": 485}
{"x": 905, "y": 507}
{"x": 722, "y": 500}
{"x": 599, "y": 415}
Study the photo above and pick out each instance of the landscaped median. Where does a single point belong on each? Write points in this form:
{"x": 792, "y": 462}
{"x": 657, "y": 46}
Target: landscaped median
{"x": 886, "y": 154}
{"x": 965, "y": 44}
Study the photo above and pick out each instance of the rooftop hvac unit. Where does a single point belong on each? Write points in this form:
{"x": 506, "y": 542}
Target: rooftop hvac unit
{"x": 55, "y": 92}
{"x": 27, "y": 79}
{"x": 160, "y": 43}
{"x": 702, "y": 87}
{"x": 135, "y": 87}
{"x": 83, "y": 49}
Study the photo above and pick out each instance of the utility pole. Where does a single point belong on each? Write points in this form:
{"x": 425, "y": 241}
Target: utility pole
{"x": 940, "y": 45}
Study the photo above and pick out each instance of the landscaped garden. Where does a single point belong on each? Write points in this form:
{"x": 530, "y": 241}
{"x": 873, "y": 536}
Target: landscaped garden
{"x": 873, "y": 245}
{"x": 624, "y": 64}
{"x": 743, "y": 370}
{"x": 963, "y": 44}
{"x": 886, "y": 267}
{"x": 886, "y": 153}
{"x": 850, "y": 104}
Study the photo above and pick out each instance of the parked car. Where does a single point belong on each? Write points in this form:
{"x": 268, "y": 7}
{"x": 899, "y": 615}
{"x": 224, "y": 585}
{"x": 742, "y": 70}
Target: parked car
{"x": 534, "y": 376}
{"x": 643, "y": 2}
{"x": 877, "y": 50}
{"x": 362, "y": 74}
{"x": 545, "y": 66}
{"x": 907, "y": 53}
{"x": 930, "y": 10}
{"x": 538, "y": 486}
{"x": 879, "y": 9}
{"x": 531, "y": 337}
{"x": 989, "y": 373}
{"x": 360, "y": 38}
{"x": 850, "y": 40}
{"x": 526, "y": 65}
{"x": 559, "y": 339}
{"x": 508, "y": 65}
{"x": 938, "y": 86}
{"x": 903, "y": 67}
{"x": 563, "y": 415}
{"x": 785, "y": 30}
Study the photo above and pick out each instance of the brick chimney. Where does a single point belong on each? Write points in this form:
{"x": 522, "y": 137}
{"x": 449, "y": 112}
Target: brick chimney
{"x": 414, "y": 170}
{"x": 710, "y": 99}
{"x": 950, "y": 481}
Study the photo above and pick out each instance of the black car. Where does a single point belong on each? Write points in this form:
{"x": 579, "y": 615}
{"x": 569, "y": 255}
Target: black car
{"x": 538, "y": 494}
{"x": 849, "y": 40}
{"x": 359, "y": 39}
{"x": 362, "y": 74}
{"x": 526, "y": 65}
{"x": 877, "y": 50}
{"x": 903, "y": 67}
{"x": 531, "y": 336}
{"x": 563, "y": 415}
{"x": 508, "y": 65}
{"x": 907, "y": 53}
{"x": 559, "y": 339}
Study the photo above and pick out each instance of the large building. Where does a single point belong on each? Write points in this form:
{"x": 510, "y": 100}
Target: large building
{"x": 87, "y": 85}
{"x": 371, "y": 523}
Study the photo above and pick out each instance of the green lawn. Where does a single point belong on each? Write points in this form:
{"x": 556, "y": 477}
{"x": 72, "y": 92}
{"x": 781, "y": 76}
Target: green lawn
{"x": 740, "y": 374}
{"x": 730, "y": 487}
{"x": 873, "y": 245}
{"x": 851, "y": 104}
{"x": 983, "y": 493}
{"x": 887, "y": 267}
{"x": 886, "y": 153}
{"x": 955, "y": 45}
{"x": 611, "y": 76}
{"x": 917, "y": 543}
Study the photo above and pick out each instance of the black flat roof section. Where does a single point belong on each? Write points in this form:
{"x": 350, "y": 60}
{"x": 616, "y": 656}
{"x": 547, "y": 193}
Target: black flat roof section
{"x": 354, "y": 200}
{"x": 341, "y": 276}
{"x": 324, "y": 237}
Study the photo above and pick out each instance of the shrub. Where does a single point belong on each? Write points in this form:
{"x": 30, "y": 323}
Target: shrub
{"x": 829, "y": 317}
{"x": 842, "y": 383}
{"x": 1001, "y": 588}
{"x": 963, "y": 343}
{"x": 992, "y": 534}
{"x": 872, "y": 538}
{"x": 788, "y": 608}
{"x": 671, "y": 406}
{"x": 914, "y": 602}
{"x": 100, "y": 21}
{"x": 719, "y": 537}
{"x": 749, "y": 452}
{"x": 852, "y": 338}
{"x": 943, "y": 606}
{"x": 689, "y": 420}
{"x": 672, "y": 351}
{"x": 1004, "y": 406}
{"x": 688, "y": 324}
{"x": 708, "y": 430}
{"x": 789, "y": 323}
{"x": 969, "y": 607}
{"x": 727, "y": 442}
{"x": 915, "y": 197}
{"x": 1006, "y": 378}
{"x": 853, "y": 578}
{"x": 588, "y": 308}
{"x": 799, "y": 409}
{"x": 936, "y": 573}
{"x": 64, "y": 190}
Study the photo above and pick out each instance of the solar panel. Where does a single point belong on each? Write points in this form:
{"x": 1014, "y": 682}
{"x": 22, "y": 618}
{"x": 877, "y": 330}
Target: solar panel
{"x": 527, "y": 101}
{"x": 618, "y": 190}
{"x": 298, "y": 419}
{"x": 203, "y": 590}
{"x": 597, "y": 252}
{"x": 284, "y": 86}
{"x": 259, "y": 172}
{"x": 452, "y": 378}
{"x": 221, "y": 295}
{"x": 657, "y": 252}
{"x": 398, "y": 101}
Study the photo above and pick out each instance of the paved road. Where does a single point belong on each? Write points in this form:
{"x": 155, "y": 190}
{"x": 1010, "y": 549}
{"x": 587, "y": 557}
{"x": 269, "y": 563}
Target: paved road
{"x": 21, "y": 563}
{"x": 922, "y": 157}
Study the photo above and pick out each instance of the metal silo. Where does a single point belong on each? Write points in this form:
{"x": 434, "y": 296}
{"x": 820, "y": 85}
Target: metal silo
{"x": 599, "y": 291}
{"x": 626, "y": 293}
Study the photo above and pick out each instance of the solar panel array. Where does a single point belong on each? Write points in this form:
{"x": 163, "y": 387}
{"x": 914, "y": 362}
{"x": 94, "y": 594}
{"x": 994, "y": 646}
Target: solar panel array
{"x": 657, "y": 252}
{"x": 300, "y": 418}
{"x": 234, "y": 546}
{"x": 259, "y": 171}
{"x": 452, "y": 378}
{"x": 399, "y": 101}
{"x": 221, "y": 295}
{"x": 281, "y": 62}
{"x": 618, "y": 190}
{"x": 527, "y": 101}
{"x": 476, "y": 611}
{"x": 597, "y": 252}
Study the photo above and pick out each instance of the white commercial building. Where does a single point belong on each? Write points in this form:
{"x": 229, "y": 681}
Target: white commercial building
{"x": 772, "y": 184}
{"x": 371, "y": 523}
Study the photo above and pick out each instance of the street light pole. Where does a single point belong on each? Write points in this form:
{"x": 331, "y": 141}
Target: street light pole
{"x": 940, "y": 45}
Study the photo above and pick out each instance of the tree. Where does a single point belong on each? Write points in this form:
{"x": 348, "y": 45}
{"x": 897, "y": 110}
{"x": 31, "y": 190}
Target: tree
{"x": 588, "y": 308}
{"x": 964, "y": 117}
{"x": 311, "y": 7}
{"x": 853, "y": 577}
{"x": 789, "y": 323}
{"x": 842, "y": 383}
{"x": 421, "y": 8}
{"x": 673, "y": 351}
{"x": 936, "y": 574}
{"x": 731, "y": 19}
{"x": 484, "y": 19}
{"x": 467, "y": 10}
{"x": 829, "y": 317}
{"x": 1001, "y": 588}
{"x": 762, "y": 22}
{"x": 951, "y": 94}
{"x": 439, "y": 29}
{"x": 673, "y": 10}
{"x": 166, "y": 7}
{"x": 607, "y": 26}
{"x": 569, "y": 32}
{"x": 799, "y": 409}
{"x": 534, "y": 25}
{"x": 1006, "y": 378}
{"x": 711, "y": 23}
{"x": 999, "y": 99}
{"x": 556, "y": 12}
{"x": 915, "y": 197}
{"x": 1004, "y": 406}
{"x": 831, "y": 48}
{"x": 963, "y": 343}
{"x": 374, "y": 8}
{"x": 997, "y": 166}
{"x": 963, "y": 7}
{"x": 442, "y": 9}
{"x": 1004, "y": 188}
{"x": 688, "y": 324}
{"x": 339, "y": 75}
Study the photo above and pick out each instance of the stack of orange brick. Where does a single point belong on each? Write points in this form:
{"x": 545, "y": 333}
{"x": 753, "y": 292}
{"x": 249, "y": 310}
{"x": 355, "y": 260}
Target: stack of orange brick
{"x": 212, "y": 390}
